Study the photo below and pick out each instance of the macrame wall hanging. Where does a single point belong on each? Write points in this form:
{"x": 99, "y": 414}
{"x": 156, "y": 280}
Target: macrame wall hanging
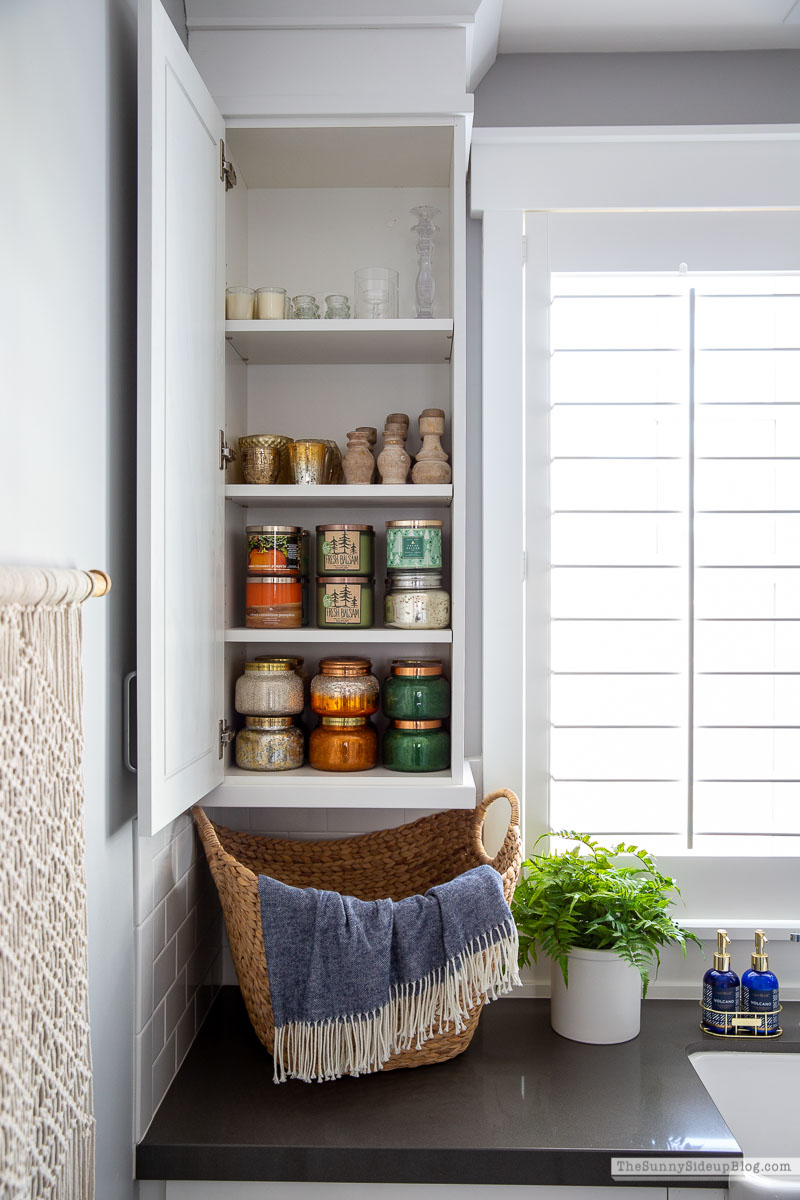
{"x": 46, "y": 1117}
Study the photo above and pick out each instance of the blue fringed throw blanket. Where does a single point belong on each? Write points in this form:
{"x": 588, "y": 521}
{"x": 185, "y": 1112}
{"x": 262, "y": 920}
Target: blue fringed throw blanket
{"x": 354, "y": 981}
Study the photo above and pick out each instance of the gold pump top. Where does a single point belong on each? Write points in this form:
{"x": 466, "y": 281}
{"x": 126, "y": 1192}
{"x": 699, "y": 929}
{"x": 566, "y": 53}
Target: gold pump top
{"x": 759, "y": 958}
{"x": 722, "y": 960}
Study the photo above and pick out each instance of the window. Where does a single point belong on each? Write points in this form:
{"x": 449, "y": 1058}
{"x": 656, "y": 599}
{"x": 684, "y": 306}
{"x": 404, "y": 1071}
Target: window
{"x": 675, "y": 556}
{"x": 603, "y": 201}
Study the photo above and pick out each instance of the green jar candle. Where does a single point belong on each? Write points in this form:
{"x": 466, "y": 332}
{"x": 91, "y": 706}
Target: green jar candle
{"x": 345, "y": 550}
{"x": 414, "y": 545}
{"x": 416, "y": 746}
{"x": 345, "y": 601}
{"x": 416, "y": 690}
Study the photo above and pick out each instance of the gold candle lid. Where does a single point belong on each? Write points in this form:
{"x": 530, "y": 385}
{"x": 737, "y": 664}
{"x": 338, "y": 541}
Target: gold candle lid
{"x": 416, "y": 724}
{"x": 416, "y": 524}
{"x": 359, "y": 528}
{"x": 270, "y": 664}
{"x": 344, "y": 722}
{"x": 345, "y": 666}
{"x": 268, "y": 722}
{"x": 416, "y": 667}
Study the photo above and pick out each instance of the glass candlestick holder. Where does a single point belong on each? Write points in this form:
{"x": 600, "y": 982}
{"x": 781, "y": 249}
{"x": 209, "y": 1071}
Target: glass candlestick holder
{"x": 425, "y": 229}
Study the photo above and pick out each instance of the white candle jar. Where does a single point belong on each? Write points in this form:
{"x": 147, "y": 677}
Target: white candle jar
{"x": 270, "y": 303}
{"x": 240, "y": 303}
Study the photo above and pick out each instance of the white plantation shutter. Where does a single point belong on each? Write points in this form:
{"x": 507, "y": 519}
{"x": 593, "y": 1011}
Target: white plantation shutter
{"x": 675, "y": 556}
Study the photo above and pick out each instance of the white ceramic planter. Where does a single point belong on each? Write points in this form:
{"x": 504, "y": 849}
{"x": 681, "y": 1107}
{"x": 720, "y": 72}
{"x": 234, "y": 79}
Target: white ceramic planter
{"x": 603, "y": 1001}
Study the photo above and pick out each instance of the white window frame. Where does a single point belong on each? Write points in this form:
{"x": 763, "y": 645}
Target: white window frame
{"x": 515, "y": 172}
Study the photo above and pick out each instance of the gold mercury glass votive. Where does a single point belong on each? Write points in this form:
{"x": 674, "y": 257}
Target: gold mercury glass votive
{"x": 261, "y": 459}
{"x": 310, "y": 461}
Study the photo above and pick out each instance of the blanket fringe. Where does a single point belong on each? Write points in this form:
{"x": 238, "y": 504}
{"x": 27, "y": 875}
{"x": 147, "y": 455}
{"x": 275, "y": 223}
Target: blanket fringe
{"x": 415, "y": 1012}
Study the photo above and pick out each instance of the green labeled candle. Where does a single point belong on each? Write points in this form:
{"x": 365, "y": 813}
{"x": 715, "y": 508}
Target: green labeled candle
{"x": 414, "y": 544}
{"x": 345, "y": 549}
{"x": 345, "y": 601}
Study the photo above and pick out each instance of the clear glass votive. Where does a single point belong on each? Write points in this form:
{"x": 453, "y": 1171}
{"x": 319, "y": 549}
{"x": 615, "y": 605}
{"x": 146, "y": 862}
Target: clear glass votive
{"x": 337, "y": 307}
{"x": 376, "y": 293}
{"x": 305, "y": 308}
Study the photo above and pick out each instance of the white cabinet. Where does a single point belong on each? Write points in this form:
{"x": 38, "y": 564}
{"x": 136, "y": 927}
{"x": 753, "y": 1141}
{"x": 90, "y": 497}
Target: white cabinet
{"x": 316, "y": 198}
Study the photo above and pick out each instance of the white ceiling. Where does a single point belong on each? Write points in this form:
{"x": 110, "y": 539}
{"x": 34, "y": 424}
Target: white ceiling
{"x": 577, "y": 26}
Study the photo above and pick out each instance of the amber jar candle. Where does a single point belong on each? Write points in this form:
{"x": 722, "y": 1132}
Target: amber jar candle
{"x": 344, "y": 687}
{"x": 343, "y": 744}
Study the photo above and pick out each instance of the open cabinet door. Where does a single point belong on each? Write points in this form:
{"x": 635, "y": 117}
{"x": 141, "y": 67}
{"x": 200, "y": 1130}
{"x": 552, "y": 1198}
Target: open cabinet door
{"x": 181, "y": 411}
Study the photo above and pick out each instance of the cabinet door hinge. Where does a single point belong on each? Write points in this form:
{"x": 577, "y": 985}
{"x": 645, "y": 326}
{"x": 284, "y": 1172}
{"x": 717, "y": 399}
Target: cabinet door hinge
{"x": 226, "y": 453}
{"x": 226, "y": 735}
{"x": 227, "y": 171}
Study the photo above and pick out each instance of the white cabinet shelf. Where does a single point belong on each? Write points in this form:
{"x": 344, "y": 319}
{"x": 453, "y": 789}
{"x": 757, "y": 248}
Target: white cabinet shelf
{"x": 362, "y": 637}
{"x": 378, "y": 788}
{"x": 350, "y": 495}
{"x": 264, "y": 343}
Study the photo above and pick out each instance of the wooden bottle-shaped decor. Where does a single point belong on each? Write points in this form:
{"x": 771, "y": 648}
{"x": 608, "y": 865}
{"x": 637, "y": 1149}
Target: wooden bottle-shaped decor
{"x": 431, "y": 465}
{"x": 358, "y": 462}
{"x": 393, "y": 460}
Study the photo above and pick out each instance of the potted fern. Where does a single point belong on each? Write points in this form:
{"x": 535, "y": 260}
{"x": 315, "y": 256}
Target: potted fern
{"x": 601, "y": 916}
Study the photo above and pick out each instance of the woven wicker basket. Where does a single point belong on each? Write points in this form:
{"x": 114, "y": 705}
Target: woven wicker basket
{"x": 392, "y": 863}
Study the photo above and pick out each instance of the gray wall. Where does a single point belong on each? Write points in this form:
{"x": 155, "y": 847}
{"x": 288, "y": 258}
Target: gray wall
{"x": 68, "y": 83}
{"x": 176, "y": 11}
{"x": 742, "y": 87}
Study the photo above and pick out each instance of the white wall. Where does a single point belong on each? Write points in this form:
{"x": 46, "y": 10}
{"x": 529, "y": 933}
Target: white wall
{"x": 68, "y": 80}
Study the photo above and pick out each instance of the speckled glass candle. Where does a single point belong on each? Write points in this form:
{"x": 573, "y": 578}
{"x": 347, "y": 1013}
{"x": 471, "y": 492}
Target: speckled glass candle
{"x": 343, "y": 744}
{"x": 345, "y": 688}
{"x": 269, "y": 687}
{"x": 270, "y": 744}
{"x": 416, "y": 601}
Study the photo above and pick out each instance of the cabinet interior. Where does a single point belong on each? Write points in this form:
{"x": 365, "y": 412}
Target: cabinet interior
{"x": 311, "y": 205}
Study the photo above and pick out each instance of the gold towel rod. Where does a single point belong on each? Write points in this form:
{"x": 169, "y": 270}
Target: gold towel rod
{"x": 101, "y": 583}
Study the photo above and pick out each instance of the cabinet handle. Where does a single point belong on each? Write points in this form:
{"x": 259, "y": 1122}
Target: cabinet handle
{"x": 128, "y": 714}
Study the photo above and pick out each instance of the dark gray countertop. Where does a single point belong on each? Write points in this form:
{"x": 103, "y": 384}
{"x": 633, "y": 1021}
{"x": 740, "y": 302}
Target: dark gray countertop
{"x": 520, "y": 1106}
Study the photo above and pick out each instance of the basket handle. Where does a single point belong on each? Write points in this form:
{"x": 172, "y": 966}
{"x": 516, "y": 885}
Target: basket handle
{"x": 214, "y": 850}
{"x": 512, "y": 839}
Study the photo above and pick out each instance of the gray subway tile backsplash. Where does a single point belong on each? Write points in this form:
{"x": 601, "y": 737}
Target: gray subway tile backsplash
{"x": 182, "y": 955}
{"x": 177, "y": 942}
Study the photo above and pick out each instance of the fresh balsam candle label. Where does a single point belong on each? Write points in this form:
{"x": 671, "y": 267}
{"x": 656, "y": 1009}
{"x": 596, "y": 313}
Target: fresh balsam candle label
{"x": 342, "y": 553}
{"x": 344, "y": 601}
{"x": 342, "y": 604}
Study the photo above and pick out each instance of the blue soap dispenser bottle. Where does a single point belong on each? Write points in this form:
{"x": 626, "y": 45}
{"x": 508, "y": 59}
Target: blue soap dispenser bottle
{"x": 760, "y": 986}
{"x": 720, "y": 988}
